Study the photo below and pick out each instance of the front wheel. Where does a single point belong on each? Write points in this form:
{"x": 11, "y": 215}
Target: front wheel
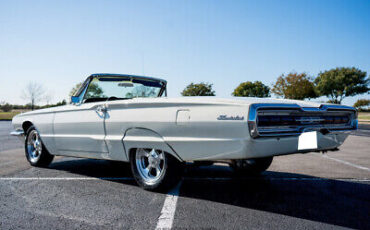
{"x": 252, "y": 166}
{"x": 36, "y": 153}
{"x": 154, "y": 169}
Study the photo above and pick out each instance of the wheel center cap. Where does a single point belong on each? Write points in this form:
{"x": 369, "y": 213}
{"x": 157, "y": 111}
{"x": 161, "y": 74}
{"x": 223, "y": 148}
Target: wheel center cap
{"x": 153, "y": 161}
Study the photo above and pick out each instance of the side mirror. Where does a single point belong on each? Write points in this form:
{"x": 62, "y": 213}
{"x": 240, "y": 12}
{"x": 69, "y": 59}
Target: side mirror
{"x": 75, "y": 100}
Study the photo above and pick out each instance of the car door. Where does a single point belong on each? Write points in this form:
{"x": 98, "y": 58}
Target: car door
{"x": 79, "y": 130}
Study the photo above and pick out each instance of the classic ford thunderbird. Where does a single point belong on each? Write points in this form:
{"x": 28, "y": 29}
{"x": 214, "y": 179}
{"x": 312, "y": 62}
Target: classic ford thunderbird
{"x": 129, "y": 118}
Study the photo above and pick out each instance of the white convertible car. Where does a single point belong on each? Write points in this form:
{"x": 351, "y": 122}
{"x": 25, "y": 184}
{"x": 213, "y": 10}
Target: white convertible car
{"x": 129, "y": 118}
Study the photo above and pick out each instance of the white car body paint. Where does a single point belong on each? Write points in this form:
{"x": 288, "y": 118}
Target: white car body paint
{"x": 186, "y": 127}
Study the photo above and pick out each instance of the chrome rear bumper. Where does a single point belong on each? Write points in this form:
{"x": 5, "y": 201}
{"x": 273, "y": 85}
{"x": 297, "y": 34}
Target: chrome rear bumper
{"x": 18, "y": 133}
{"x": 274, "y": 146}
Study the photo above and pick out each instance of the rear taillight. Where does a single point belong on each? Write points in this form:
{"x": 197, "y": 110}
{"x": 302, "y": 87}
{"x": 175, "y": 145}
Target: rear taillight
{"x": 291, "y": 119}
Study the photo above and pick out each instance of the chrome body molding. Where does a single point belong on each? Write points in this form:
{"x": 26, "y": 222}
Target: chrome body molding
{"x": 310, "y": 126}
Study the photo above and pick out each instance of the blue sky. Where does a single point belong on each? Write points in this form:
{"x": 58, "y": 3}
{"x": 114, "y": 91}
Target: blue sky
{"x": 59, "y": 43}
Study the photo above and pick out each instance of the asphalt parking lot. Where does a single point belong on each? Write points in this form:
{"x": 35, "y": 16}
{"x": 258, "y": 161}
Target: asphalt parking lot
{"x": 302, "y": 191}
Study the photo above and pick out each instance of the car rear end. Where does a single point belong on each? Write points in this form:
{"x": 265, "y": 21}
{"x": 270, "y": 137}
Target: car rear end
{"x": 277, "y": 129}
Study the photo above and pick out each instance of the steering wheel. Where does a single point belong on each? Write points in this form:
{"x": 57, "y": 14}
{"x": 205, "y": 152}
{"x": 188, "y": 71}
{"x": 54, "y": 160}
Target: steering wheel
{"x": 112, "y": 98}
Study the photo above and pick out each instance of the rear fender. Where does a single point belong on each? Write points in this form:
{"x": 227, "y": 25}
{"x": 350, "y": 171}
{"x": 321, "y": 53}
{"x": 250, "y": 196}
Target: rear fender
{"x": 146, "y": 138}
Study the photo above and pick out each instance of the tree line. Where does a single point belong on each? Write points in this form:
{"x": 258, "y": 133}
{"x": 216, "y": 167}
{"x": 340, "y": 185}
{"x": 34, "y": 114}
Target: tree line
{"x": 6, "y": 107}
{"x": 33, "y": 92}
{"x": 336, "y": 84}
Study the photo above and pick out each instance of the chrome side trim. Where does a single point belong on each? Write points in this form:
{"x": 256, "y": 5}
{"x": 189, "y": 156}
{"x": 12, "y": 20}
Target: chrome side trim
{"x": 253, "y": 114}
{"x": 18, "y": 132}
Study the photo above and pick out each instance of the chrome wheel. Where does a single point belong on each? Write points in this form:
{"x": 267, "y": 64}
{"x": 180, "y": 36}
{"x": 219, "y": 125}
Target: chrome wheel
{"x": 34, "y": 146}
{"x": 150, "y": 164}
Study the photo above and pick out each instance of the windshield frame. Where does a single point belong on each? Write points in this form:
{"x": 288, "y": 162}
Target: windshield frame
{"x": 83, "y": 89}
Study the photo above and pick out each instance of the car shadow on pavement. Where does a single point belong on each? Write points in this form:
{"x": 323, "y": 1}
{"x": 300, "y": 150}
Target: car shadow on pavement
{"x": 363, "y": 130}
{"x": 107, "y": 170}
{"x": 337, "y": 202}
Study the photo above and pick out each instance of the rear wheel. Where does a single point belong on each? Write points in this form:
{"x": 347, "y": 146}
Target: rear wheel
{"x": 154, "y": 169}
{"x": 203, "y": 163}
{"x": 36, "y": 153}
{"x": 252, "y": 166}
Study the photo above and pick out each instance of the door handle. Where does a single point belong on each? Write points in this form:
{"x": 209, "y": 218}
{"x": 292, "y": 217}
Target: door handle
{"x": 101, "y": 109}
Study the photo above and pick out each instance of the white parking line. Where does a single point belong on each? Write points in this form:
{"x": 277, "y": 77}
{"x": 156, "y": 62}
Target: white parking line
{"x": 7, "y": 163}
{"x": 165, "y": 220}
{"x": 171, "y": 194}
{"x": 63, "y": 178}
{"x": 346, "y": 162}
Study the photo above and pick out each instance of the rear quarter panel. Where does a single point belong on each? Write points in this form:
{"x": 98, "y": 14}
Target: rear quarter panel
{"x": 191, "y": 130}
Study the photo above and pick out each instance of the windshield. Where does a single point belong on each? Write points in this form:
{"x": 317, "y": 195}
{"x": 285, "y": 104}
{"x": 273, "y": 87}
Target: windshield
{"x": 116, "y": 88}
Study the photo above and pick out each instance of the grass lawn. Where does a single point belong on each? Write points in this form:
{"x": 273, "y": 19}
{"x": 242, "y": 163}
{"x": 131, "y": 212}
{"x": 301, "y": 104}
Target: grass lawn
{"x": 364, "y": 116}
{"x": 8, "y": 115}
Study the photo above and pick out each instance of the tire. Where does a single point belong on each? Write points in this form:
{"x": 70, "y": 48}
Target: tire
{"x": 252, "y": 166}
{"x": 36, "y": 153}
{"x": 155, "y": 170}
{"x": 203, "y": 163}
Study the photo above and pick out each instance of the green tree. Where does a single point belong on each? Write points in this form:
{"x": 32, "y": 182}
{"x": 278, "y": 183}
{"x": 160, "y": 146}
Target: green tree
{"x": 94, "y": 90}
{"x": 252, "y": 89}
{"x": 75, "y": 89}
{"x": 360, "y": 104}
{"x": 294, "y": 86}
{"x": 342, "y": 82}
{"x": 7, "y": 107}
{"x": 201, "y": 89}
{"x": 63, "y": 102}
